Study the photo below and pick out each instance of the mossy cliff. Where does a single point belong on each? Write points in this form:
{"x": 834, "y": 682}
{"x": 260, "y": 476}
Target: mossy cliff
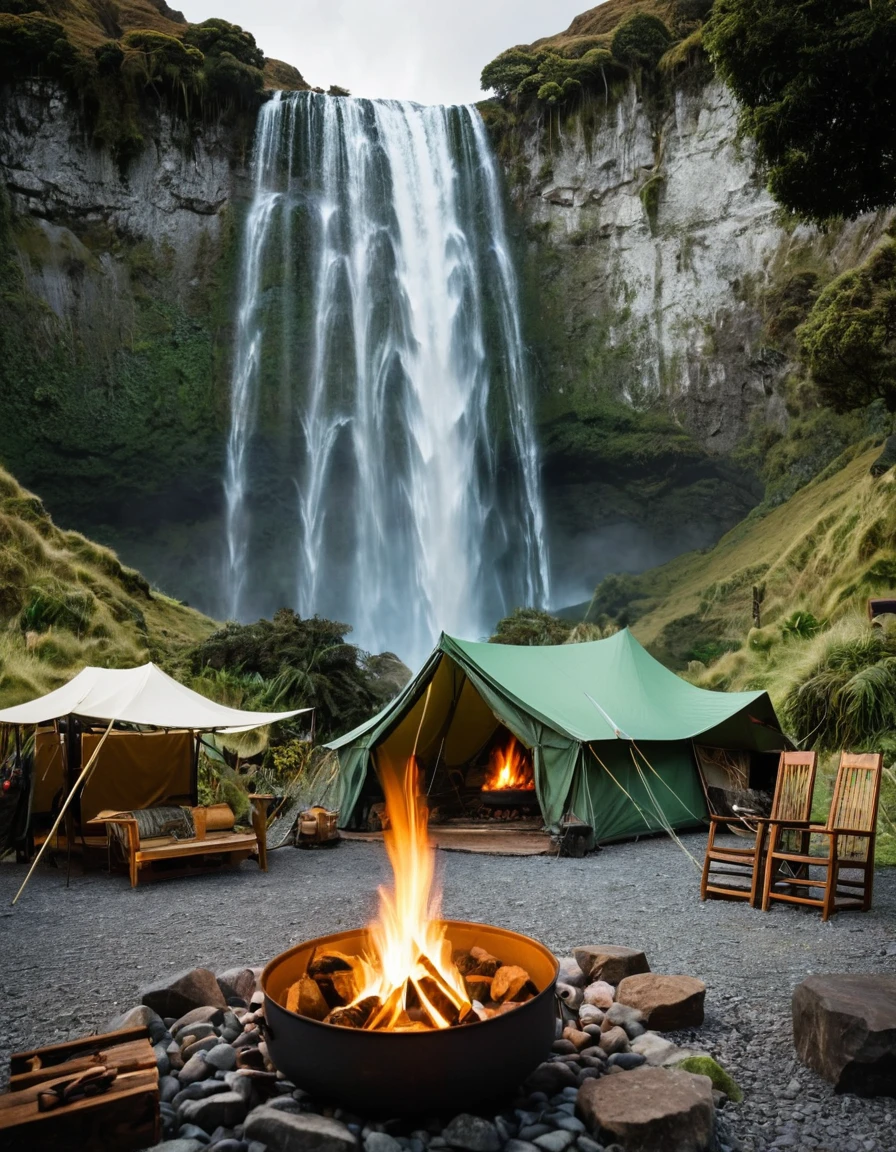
{"x": 662, "y": 287}
{"x": 115, "y": 312}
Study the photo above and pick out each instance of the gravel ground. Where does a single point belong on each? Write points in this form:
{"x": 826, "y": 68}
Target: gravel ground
{"x": 71, "y": 958}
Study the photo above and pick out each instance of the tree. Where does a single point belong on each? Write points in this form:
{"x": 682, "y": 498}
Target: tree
{"x": 506, "y": 72}
{"x": 641, "y": 41}
{"x": 848, "y": 341}
{"x": 815, "y": 78}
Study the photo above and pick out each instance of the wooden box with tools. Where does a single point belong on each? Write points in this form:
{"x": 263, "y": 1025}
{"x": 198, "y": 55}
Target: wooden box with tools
{"x": 92, "y": 1094}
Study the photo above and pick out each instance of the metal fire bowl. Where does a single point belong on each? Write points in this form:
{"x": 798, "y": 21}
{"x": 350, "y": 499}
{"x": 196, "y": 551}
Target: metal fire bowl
{"x": 508, "y": 798}
{"x": 399, "y": 1073}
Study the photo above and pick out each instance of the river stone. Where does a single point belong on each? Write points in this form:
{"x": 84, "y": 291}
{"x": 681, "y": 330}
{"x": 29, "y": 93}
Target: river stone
{"x": 551, "y": 1077}
{"x": 610, "y": 962}
{"x": 472, "y": 1133}
{"x": 650, "y": 1110}
{"x": 207, "y": 1014}
{"x": 556, "y": 1141}
{"x": 599, "y": 993}
{"x": 224, "y": 1109}
{"x": 179, "y": 1145}
{"x": 657, "y": 1049}
{"x": 239, "y": 982}
{"x": 177, "y": 995}
{"x": 195, "y": 1069}
{"x": 140, "y": 1017}
{"x": 669, "y": 1003}
{"x": 285, "y": 1132}
{"x": 844, "y": 1027}
{"x": 381, "y": 1142}
{"x": 222, "y": 1058}
{"x": 614, "y": 1040}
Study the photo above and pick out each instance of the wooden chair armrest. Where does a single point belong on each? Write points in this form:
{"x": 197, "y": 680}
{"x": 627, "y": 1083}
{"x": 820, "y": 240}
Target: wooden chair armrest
{"x": 715, "y": 819}
{"x": 843, "y": 831}
{"x": 806, "y": 825}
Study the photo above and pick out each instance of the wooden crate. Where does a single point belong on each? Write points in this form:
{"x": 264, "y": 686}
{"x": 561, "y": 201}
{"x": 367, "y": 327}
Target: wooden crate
{"x": 125, "y": 1117}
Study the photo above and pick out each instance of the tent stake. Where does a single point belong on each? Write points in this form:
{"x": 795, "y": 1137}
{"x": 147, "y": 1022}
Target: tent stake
{"x": 64, "y": 809}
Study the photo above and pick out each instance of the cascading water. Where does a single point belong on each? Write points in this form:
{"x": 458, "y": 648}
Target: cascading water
{"x": 382, "y": 467}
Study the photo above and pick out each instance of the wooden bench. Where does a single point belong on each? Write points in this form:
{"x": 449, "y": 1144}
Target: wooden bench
{"x": 238, "y": 846}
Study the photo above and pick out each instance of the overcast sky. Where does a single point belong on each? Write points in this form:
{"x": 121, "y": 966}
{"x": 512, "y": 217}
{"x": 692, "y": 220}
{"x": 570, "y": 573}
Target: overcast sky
{"x": 411, "y": 49}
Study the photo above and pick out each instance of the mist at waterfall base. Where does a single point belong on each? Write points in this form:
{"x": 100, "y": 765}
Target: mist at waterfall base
{"x": 382, "y": 467}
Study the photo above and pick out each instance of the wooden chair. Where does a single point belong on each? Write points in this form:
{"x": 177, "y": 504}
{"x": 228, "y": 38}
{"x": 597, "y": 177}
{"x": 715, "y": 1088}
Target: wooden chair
{"x": 850, "y": 834}
{"x": 792, "y": 801}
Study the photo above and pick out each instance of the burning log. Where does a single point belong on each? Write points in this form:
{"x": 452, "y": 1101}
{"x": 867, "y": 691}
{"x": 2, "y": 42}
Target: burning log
{"x": 354, "y": 1015}
{"x": 306, "y": 998}
{"x": 479, "y": 987}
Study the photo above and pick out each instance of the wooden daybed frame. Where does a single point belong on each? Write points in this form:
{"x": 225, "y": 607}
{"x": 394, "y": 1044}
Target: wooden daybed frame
{"x": 238, "y": 846}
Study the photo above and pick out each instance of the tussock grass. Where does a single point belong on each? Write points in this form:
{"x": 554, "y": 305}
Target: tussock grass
{"x": 66, "y": 602}
{"x": 816, "y": 559}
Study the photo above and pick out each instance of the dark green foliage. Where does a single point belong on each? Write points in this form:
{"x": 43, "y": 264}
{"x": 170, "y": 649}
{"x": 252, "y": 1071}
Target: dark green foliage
{"x": 815, "y": 78}
{"x": 164, "y": 64}
{"x": 529, "y": 626}
{"x": 711, "y": 650}
{"x": 613, "y": 597}
{"x": 219, "y": 37}
{"x": 507, "y": 71}
{"x": 51, "y": 604}
{"x": 848, "y": 342}
{"x": 299, "y": 664}
{"x": 788, "y": 306}
{"x": 229, "y": 80}
{"x": 641, "y": 41}
{"x": 692, "y": 10}
{"x": 801, "y": 626}
{"x": 109, "y": 58}
{"x": 32, "y": 45}
{"x": 848, "y": 699}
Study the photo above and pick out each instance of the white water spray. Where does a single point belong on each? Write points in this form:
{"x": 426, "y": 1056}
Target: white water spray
{"x": 382, "y": 467}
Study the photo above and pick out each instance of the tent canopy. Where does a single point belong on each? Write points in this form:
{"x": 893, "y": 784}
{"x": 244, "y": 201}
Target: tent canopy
{"x": 144, "y": 696}
{"x": 583, "y": 710}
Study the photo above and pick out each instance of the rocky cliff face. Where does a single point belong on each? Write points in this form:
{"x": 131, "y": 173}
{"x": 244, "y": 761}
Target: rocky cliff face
{"x": 654, "y": 252}
{"x": 115, "y": 327}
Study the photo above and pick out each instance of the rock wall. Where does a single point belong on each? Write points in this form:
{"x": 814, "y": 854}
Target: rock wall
{"x": 115, "y": 325}
{"x": 652, "y": 250}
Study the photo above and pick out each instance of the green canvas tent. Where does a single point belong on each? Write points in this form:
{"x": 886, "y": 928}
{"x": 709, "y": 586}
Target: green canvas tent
{"x": 611, "y": 731}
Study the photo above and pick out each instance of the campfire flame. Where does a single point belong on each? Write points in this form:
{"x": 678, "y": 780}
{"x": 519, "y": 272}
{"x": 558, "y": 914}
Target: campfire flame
{"x": 509, "y": 767}
{"x": 409, "y": 969}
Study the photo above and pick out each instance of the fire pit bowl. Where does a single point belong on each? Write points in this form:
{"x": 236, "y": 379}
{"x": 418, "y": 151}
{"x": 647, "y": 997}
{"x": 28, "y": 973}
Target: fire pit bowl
{"x": 394, "y": 1073}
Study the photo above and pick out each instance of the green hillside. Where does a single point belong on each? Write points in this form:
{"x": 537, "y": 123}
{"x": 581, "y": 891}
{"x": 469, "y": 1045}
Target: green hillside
{"x": 66, "y": 602}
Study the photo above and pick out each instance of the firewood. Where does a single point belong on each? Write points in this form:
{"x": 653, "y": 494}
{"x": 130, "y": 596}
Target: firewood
{"x": 389, "y": 1011}
{"x": 311, "y": 1000}
{"x": 479, "y": 987}
{"x": 327, "y": 962}
{"x": 353, "y": 1015}
{"x": 292, "y": 997}
{"x": 509, "y": 982}
{"x": 486, "y": 964}
{"x": 464, "y": 962}
{"x": 345, "y": 985}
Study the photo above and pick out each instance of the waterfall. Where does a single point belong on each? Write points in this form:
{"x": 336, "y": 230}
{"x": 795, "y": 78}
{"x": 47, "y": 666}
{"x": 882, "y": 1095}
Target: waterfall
{"x": 382, "y": 467}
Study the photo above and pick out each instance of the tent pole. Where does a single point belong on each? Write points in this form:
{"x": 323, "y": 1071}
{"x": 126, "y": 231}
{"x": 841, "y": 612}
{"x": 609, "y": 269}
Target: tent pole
{"x": 64, "y": 809}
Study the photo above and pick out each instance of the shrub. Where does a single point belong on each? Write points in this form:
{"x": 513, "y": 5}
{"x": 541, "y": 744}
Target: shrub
{"x": 506, "y": 72}
{"x": 801, "y": 626}
{"x": 32, "y": 45}
{"x": 164, "y": 64}
{"x": 641, "y": 41}
{"x": 219, "y": 37}
{"x": 230, "y": 81}
{"x": 848, "y": 341}
{"x": 531, "y": 626}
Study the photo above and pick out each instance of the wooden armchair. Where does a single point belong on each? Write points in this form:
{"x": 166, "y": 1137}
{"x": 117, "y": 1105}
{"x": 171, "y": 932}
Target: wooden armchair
{"x": 849, "y": 833}
{"x": 792, "y": 801}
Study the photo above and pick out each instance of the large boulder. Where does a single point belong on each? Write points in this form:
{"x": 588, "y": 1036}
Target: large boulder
{"x": 844, "y": 1026}
{"x": 179, "y": 994}
{"x": 668, "y": 1002}
{"x": 650, "y": 1110}
{"x": 610, "y": 962}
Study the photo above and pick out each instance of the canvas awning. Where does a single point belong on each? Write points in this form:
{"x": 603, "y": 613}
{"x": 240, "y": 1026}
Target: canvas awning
{"x": 145, "y": 696}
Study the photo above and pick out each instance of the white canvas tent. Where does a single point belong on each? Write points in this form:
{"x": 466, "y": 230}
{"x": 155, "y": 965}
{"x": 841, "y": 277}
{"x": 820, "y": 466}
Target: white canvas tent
{"x": 144, "y": 696}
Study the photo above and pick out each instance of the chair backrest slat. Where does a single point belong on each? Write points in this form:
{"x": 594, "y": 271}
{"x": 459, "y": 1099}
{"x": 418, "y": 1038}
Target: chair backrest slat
{"x": 793, "y": 787}
{"x": 855, "y": 801}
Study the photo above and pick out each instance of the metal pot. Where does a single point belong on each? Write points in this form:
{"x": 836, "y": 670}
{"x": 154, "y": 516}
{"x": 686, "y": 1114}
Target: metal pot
{"x": 401, "y": 1073}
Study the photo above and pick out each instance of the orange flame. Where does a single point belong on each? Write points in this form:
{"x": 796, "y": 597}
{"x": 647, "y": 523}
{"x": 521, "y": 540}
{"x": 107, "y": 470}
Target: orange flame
{"x": 509, "y": 767}
{"x": 410, "y": 959}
